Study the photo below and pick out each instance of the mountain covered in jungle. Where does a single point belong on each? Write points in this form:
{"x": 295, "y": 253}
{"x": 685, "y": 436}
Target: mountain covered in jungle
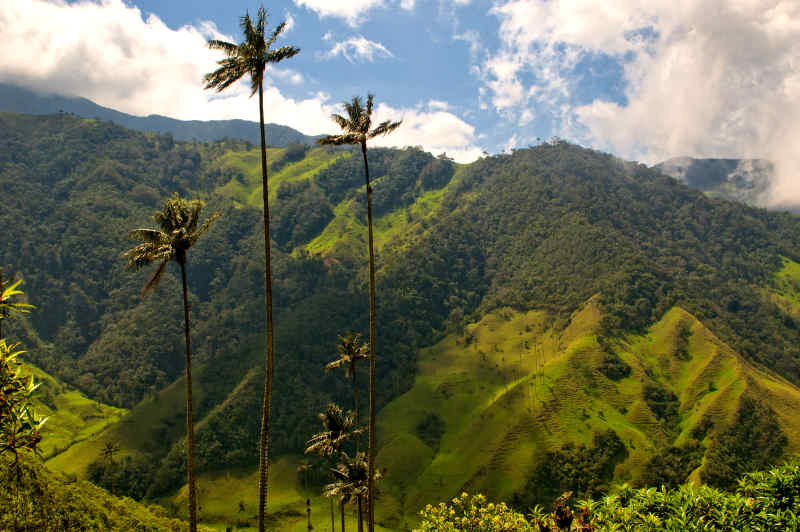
{"x": 553, "y": 319}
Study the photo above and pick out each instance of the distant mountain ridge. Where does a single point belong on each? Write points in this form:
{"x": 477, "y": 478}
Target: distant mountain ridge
{"x": 745, "y": 180}
{"x": 15, "y": 99}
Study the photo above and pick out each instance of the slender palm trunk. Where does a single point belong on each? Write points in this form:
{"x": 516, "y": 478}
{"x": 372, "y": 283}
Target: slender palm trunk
{"x": 371, "y": 449}
{"x": 358, "y": 442}
{"x": 189, "y": 416}
{"x": 360, "y": 518}
{"x": 333, "y": 521}
{"x": 342, "y": 503}
{"x": 263, "y": 459}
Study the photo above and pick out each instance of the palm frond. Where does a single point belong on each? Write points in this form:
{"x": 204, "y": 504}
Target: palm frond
{"x": 203, "y": 228}
{"x": 150, "y": 236}
{"x": 336, "y": 364}
{"x": 279, "y": 54}
{"x": 278, "y": 30}
{"x": 370, "y": 99}
{"x": 341, "y": 121}
{"x": 384, "y": 128}
{"x": 339, "y": 140}
{"x": 229, "y": 48}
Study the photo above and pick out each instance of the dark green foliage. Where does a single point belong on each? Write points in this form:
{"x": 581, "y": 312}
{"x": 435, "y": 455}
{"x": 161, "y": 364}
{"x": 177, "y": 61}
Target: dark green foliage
{"x": 614, "y": 367}
{"x": 663, "y": 403}
{"x": 128, "y": 477}
{"x": 671, "y": 467}
{"x": 753, "y": 441}
{"x": 34, "y": 499}
{"x": 585, "y": 471}
{"x": 343, "y": 178}
{"x": 300, "y": 214}
{"x": 294, "y": 153}
{"x": 682, "y": 342}
{"x": 700, "y": 430}
{"x": 430, "y": 430}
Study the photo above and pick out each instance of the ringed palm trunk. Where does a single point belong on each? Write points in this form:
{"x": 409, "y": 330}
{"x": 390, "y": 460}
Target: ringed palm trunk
{"x": 371, "y": 448}
{"x": 263, "y": 460}
{"x": 189, "y": 416}
{"x": 355, "y": 405}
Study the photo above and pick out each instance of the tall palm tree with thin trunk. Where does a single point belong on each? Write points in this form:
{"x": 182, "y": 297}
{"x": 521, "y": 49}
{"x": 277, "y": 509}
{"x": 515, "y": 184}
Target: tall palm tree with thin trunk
{"x": 178, "y": 230}
{"x": 357, "y": 129}
{"x": 251, "y": 57}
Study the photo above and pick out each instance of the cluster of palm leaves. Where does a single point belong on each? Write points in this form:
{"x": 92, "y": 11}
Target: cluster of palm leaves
{"x": 178, "y": 231}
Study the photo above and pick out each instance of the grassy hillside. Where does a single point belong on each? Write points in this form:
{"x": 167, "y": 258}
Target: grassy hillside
{"x": 72, "y": 417}
{"x": 515, "y": 385}
{"x": 245, "y": 167}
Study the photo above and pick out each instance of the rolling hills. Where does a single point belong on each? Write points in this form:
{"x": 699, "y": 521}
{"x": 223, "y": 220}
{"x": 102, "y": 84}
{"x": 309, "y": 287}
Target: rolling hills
{"x": 556, "y": 305}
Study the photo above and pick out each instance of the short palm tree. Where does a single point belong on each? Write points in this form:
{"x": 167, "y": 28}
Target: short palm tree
{"x": 339, "y": 427}
{"x": 7, "y": 303}
{"x": 351, "y": 351}
{"x": 357, "y": 129}
{"x": 251, "y": 57}
{"x": 349, "y": 481}
{"x": 178, "y": 231}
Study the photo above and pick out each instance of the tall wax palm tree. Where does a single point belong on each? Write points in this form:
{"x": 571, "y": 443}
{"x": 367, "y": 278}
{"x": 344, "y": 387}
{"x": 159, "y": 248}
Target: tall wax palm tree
{"x": 251, "y": 57}
{"x": 178, "y": 230}
{"x": 357, "y": 129}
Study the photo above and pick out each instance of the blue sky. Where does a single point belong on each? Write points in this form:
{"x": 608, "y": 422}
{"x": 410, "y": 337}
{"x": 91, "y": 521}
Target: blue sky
{"x": 644, "y": 80}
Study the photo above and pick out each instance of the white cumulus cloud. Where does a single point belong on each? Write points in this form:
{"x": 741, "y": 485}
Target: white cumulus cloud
{"x": 434, "y": 129}
{"x": 108, "y": 52}
{"x": 718, "y": 78}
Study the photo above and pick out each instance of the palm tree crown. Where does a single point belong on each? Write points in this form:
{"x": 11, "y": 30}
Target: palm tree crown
{"x": 339, "y": 426}
{"x": 351, "y": 350}
{"x": 250, "y": 57}
{"x": 356, "y": 127}
{"x": 178, "y": 231}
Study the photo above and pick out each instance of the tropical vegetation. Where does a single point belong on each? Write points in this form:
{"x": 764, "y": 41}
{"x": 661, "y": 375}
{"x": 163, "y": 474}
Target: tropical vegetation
{"x": 553, "y": 321}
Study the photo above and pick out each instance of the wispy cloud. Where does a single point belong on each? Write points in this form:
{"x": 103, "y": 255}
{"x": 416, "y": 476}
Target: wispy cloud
{"x": 357, "y": 49}
{"x": 354, "y": 12}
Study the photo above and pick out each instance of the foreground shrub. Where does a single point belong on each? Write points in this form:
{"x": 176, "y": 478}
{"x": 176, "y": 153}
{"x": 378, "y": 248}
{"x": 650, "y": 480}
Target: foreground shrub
{"x": 768, "y": 500}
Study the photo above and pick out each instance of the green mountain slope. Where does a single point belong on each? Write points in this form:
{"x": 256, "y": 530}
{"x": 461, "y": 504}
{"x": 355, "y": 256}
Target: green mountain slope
{"x": 488, "y": 404}
{"x": 608, "y": 263}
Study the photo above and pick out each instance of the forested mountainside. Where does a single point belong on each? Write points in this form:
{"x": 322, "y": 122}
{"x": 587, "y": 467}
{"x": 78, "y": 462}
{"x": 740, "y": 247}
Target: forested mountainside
{"x": 692, "y": 305}
{"x": 14, "y": 99}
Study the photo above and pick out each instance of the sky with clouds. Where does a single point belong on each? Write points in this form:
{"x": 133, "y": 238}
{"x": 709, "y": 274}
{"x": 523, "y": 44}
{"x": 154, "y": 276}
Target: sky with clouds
{"x": 643, "y": 79}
